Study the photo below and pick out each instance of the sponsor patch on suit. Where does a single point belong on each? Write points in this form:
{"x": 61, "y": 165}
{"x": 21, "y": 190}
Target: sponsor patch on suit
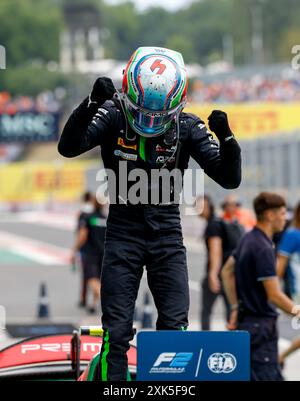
{"x": 125, "y": 156}
{"x": 122, "y": 143}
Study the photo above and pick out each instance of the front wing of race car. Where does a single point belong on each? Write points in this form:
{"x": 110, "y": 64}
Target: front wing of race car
{"x": 56, "y": 357}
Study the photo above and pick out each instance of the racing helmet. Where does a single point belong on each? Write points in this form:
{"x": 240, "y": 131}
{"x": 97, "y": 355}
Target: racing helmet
{"x": 154, "y": 89}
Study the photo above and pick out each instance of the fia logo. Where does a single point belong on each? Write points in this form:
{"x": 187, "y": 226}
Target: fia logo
{"x": 222, "y": 363}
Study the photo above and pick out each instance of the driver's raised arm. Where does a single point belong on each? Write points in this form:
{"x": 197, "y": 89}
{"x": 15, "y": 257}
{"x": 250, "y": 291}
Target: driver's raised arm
{"x": 89, "y": 122}
{"x": 220, "y": 161}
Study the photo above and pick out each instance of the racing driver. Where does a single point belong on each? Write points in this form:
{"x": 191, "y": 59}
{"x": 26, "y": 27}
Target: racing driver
{"x": 144, "y": 128}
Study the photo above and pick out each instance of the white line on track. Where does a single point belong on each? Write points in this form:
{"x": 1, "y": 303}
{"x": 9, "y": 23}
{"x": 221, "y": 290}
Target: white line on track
{"x": 38, "y": 251}
{"x": 68, "y": 221}
{"x": 50, "y": 219}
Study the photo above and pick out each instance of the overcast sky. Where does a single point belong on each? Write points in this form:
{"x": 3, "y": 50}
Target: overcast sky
{"x": 168, "y": 4}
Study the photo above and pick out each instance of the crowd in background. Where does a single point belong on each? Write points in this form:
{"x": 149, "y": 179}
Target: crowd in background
{"x": 255, "y": 88}
{"x": 44, "y": 102}
{"x": 250, "y": 88}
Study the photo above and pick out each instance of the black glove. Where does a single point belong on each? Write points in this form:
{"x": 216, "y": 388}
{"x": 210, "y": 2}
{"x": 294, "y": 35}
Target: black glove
{"x": 218, "y": 123}
{"x": 103, "y": 90}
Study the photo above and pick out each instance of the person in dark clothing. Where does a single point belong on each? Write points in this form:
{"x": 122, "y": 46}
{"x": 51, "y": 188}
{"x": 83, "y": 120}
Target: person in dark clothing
{"x": 216, "y": 256}
{"x": 253, "y": 290}
{"x": 90, "y": 242}
{"x": 287, "y": 255}
{"x": 218, "y": 250}
{"x": 87, "y": 206}
{"x": 144, "y": 129}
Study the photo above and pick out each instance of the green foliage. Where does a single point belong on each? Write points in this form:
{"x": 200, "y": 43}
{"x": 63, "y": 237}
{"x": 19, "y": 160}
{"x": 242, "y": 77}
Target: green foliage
{"x": 205, "y": 24}
{"x": 288, "y": 40}
{"x": 156, "y": 25}
{"x": 30, "y": 31}
{"x": 199, "y": 30}
{"x": 281, "y": 18}
{"x": 176, "y": 41}
{"x": 30, "y": 80}
{"x": 123, "y": 25}
{"x": 196, "y": 31}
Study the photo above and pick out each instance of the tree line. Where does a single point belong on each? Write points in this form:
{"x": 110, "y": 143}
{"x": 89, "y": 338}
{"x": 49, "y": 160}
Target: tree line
{"x": 242, "y": 31}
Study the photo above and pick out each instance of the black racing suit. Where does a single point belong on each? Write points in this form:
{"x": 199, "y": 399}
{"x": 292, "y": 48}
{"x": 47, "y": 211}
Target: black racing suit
{"x": 144, "y": 235}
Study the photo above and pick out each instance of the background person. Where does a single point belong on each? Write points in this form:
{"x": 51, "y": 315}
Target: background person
{"x": 233, "y": 211}
{"x": 294, "y": 346}
{"x": 217, "y": 253}
{"x": 90, "y": 241}
{"x": 87, "y": 207}
{"x": 253, "y": 290}
{"x": 287, "y": 278}
{"x": 288, "y": 259}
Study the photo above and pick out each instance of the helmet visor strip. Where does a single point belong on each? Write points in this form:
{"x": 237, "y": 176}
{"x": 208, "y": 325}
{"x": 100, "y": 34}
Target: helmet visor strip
{"x": 151, "y": 119}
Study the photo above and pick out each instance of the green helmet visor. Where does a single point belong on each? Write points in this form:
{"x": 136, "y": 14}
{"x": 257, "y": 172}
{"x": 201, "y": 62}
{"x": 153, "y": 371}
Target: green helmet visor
{"x": 150, "y": 122}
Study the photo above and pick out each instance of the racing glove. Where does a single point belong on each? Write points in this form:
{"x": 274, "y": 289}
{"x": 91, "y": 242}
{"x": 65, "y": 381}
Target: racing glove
{"x": 103, "y": 90}
{"x": 218, "y": 123}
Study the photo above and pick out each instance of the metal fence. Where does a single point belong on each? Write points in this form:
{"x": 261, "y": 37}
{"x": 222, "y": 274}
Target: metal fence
{"x": 272, "y": 164}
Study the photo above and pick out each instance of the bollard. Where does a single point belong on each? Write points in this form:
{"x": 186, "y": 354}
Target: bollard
{"x": 43, "y": 306}
{"x": 147, "y": 317}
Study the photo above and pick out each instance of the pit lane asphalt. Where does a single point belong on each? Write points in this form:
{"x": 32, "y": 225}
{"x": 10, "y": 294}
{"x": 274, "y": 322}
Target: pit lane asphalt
{"x": 21, "y": 278}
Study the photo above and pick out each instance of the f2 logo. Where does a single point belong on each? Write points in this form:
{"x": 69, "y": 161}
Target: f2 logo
{"x": 158, "y": 64}
{"x": 176, "y": 360}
